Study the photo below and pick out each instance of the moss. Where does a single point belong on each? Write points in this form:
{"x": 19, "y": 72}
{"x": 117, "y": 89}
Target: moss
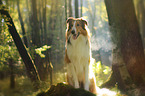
{"x": 65, "y": 90}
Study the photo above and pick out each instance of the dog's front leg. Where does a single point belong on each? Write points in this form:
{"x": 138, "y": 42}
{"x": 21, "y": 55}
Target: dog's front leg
{"x": 74, "y": 75}
{"x": 87, "y": 77}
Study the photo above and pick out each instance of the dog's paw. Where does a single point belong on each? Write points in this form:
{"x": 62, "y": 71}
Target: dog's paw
{"x": 87, "y": 87}
{"x": 77, "y": 85}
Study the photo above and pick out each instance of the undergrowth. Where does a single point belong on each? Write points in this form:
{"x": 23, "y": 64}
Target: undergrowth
{"x": 102, "y": 72}
{"x": 24, "y": 87}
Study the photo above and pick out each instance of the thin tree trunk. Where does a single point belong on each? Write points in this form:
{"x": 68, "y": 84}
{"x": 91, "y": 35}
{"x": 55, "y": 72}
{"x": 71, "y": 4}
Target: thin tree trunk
{"x": 81, "y": 8}
{"x": 70, "y": 9}
{"x": 44, "y": 22}
{"x": 36, "y": 37}
{"x": 40, "y": 15}
{"x": 76, "y": 9}
{"x": 66, "y": 10}
{"x": 50, "y": 69}
{"x": 28, "y": 23}
{"x": 52, "y": 22}
{"x": 12, "y": 75}
{"x": 35, "y": 25}
{"x": 22, "y": 25}
{"x": 29, "y": 64}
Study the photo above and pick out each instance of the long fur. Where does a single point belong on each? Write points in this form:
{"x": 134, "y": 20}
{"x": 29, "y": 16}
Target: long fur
{"x": 78, "y": 55}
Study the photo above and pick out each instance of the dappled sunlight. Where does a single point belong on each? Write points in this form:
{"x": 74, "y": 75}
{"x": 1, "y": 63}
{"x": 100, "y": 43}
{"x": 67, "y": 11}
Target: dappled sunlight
{"x": 102, "y": 72}
{"x": 32, "y": 49}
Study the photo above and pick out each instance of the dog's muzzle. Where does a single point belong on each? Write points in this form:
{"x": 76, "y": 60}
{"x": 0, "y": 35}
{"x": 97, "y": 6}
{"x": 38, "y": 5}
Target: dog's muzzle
{"x": 75, "y": 36}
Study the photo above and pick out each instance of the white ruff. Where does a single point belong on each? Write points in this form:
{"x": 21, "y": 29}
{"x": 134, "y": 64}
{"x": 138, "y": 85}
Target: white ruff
{"x": 79, "y": 54}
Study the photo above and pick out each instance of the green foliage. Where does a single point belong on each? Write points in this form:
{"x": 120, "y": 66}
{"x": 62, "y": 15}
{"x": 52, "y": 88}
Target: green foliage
{"x": 102, "y": 72}
{"x": 42, "y": 49}
{"x": 7, "y": 46}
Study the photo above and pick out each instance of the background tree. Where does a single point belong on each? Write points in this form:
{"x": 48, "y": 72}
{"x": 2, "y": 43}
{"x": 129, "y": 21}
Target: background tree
{"x": 140, "y": 10}
{"x": 70, "y": 8}
{"x": 128, "y": 56}
{"x": 12, "y": 77}
{"x": 35, "y": 25}
{"x": 81, "y": 15}
{"x": 31, "y": 70}
{"x": 76, "y": 9}
{"x": 22, "y": 25}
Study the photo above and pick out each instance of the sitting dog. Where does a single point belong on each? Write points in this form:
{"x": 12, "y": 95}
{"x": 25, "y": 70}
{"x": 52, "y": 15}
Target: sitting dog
{"x": 78, "y": 55}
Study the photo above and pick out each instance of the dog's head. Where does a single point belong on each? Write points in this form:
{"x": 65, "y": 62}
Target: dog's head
{"x": 76, "y": 27}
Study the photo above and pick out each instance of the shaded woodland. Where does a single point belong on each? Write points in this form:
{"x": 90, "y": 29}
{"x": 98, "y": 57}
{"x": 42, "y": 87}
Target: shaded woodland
{"x": 32, "y": 44}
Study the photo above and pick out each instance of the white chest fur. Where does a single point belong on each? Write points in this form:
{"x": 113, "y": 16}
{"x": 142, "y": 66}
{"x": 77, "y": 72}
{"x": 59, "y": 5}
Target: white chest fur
{"x": 78, "y": 48}
{"x": 79, "y": 54}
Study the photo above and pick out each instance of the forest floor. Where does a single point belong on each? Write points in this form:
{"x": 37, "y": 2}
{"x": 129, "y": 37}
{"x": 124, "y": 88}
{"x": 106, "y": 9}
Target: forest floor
{"x": 24, "y": 87}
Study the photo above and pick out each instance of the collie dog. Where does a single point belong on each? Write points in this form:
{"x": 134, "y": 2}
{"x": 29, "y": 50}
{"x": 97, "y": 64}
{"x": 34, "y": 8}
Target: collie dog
{"x": 78, "y": 55}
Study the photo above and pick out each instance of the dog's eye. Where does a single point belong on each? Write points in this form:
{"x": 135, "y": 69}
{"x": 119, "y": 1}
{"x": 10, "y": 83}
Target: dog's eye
{"x": 78, "y": 25}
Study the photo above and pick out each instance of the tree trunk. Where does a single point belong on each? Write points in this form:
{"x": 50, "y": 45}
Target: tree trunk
{"x": 12, "y": 75}
{"x": 141, "y": 18}
{"x": 70, "y": 9}
{"x": 40, "y": 15}
{"x": 50, "y": 69}
{"x": 44, "y": 22}
{"x": 28, "y": 24}
{"x": 76, "y": 9}
{"x": 36, "y": 37}
{"x": 81, "y": 8}
{"x": 22, "y": 25}
{"x": 35, "y": 25}
{"x": 66, "y": 10}
{"x": 129, "y": 54}
{"x": 52, "y": 22}
{"x": 29, "y": 64}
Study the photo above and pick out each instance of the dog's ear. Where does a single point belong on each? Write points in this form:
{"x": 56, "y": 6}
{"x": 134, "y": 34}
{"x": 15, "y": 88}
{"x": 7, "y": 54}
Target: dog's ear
{"x": 69, "y": 19}
{"x": 84, "y": 21}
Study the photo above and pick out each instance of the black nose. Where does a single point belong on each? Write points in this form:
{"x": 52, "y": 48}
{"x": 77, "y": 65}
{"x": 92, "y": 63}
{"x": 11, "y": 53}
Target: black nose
{"x": 73, "y": 31}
